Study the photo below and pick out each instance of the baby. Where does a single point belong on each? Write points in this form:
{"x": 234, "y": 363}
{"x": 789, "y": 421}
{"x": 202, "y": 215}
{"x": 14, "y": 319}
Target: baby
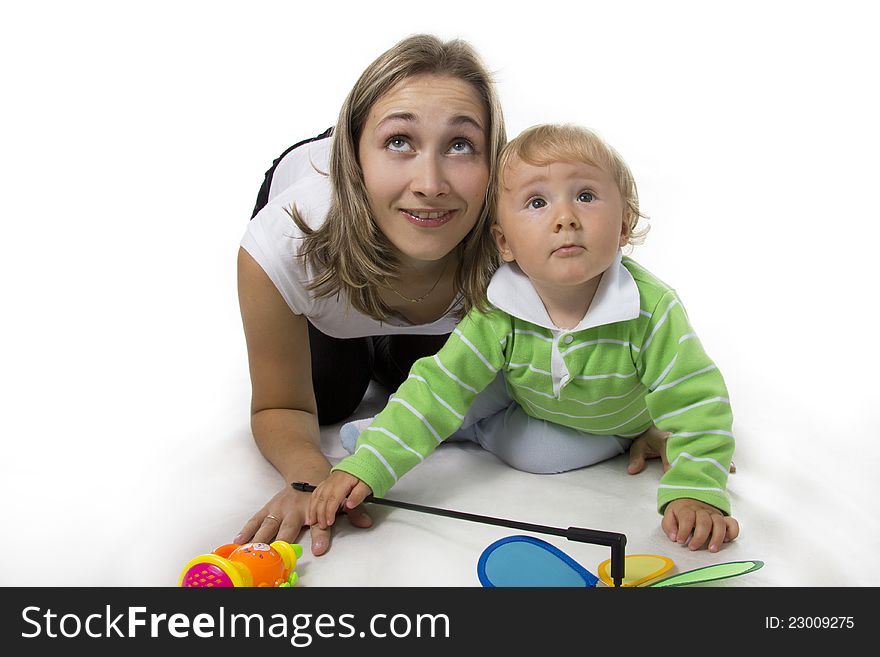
{"x": 583, "y": 336}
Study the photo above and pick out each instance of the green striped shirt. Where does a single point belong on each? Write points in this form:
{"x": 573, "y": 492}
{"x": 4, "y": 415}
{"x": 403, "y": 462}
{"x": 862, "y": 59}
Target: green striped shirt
{"x": 612, "y": 379}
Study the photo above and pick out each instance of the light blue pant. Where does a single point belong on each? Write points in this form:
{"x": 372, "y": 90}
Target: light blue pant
{"x": 499, "y": 425}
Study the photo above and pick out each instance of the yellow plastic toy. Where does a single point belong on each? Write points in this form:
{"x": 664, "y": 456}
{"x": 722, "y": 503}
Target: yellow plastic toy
{"x": 248, "y": 565}
{"x": 640, "y": 568}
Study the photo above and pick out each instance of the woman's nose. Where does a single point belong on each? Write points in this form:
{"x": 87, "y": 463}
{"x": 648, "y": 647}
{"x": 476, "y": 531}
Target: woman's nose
{"x": 429, "y": 179}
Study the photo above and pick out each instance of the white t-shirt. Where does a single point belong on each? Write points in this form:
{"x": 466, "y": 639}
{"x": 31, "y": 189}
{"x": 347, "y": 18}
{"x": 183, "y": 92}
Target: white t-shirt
{"x": 273, "y": 240}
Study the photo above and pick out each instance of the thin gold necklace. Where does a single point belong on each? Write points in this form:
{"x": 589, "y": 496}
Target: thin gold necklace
{"x": 417, "y": 299}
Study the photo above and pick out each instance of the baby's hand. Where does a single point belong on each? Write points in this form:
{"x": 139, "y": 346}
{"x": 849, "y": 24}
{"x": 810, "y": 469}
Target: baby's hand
{"x": 685, "y": 518}
{"x": 650, "y": 445}
{"x": 330, "y": 494}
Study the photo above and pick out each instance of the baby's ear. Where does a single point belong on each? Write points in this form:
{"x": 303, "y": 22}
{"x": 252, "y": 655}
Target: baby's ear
{"x": 501, "y": 243}
{"x": 624, "y": 234}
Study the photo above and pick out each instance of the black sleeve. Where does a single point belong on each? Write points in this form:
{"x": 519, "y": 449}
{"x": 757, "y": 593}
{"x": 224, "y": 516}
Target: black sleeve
{"x": 263, "y": 194}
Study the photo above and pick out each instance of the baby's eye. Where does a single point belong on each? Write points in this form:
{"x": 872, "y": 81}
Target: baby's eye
{"x": 536, "y": 203}
{"x": 461, "y": 146}
{"x": 586, "y": 197}
{"x": 398, "y": 145}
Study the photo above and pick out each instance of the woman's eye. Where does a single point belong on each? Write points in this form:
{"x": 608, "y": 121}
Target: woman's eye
{"x": 460, "y": 146}
{"x": 536, "y": 203}
{"x": 398, "y": 144}
{"x": 586, "y": 197}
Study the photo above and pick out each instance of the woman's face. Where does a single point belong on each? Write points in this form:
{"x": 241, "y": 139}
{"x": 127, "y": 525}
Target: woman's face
{"x": 423, "y": 151}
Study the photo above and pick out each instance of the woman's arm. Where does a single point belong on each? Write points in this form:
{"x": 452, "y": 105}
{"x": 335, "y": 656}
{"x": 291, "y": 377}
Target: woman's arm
{"x": 284, "y": 418}
{"x": 283, "y": 412}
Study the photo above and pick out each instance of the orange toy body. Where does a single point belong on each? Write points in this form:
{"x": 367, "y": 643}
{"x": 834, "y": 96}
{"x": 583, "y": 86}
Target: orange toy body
{"x": 251, "y": 564}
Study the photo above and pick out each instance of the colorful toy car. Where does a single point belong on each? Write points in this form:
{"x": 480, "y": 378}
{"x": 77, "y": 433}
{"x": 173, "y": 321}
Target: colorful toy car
{"x": 248, "y": 565}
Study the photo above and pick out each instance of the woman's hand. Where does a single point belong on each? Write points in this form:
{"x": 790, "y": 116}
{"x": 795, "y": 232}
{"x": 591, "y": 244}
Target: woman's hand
{"x": 283, "y": 518}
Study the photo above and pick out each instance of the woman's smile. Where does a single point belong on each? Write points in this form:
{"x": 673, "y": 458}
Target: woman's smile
{"x": 429, "y": 218}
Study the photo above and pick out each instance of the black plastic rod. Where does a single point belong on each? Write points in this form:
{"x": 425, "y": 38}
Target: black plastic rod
{"x": 614, "y": 540}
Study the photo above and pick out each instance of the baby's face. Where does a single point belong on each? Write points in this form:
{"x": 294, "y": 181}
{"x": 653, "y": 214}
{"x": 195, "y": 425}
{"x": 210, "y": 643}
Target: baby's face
{"x": 561, "y": 223}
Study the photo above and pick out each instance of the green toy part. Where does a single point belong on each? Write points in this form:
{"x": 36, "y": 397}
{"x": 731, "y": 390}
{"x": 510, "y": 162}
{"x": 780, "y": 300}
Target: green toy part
{"x": 710, "y": 573}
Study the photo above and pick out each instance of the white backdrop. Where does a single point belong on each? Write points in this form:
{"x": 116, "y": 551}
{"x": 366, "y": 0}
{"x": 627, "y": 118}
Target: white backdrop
{"x": 134, "y": 140}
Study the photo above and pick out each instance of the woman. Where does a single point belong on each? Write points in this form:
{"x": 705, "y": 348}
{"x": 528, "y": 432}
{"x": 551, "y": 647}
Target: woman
{"x": 398, "y": 228}
{"x": 356, "y": 274}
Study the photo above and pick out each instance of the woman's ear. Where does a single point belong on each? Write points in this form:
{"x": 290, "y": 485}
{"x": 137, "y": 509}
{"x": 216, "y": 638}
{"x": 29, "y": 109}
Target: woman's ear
{"x": 501, "y": 243}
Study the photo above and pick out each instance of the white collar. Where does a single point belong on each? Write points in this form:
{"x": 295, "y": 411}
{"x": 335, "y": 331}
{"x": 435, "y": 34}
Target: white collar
{"x": 616, "y": 298}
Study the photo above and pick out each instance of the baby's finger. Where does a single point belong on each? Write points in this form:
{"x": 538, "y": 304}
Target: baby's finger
{"x": 702, "y": 530}
{"x": 637, "y": 459}
{"x": 358, "y": 494}
{"x": 317, "y": 515}
{"x": 686, "y": 521}
{"x": 320, "y": 540}
{"x": 330, "y": 510}
{"x": 719, "y": 529}
{"x": 332, "y": 502}
{"x": 732, "y": 527}
{"x": 318, "y": 519}
{"x": 669, "y": 524}
{"x": 312, "y": 511}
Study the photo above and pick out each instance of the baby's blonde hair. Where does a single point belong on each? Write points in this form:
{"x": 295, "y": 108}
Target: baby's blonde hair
{"x": 542, "y": 144}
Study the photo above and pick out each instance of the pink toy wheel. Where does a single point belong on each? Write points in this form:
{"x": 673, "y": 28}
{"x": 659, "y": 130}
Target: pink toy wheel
{"x": 205, "y": 574}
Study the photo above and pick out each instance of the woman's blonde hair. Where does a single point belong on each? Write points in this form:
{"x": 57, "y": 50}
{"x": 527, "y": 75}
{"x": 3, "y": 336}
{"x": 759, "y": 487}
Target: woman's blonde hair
{"x": 542, "y": 144}
{"x": 349, "y": 253}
